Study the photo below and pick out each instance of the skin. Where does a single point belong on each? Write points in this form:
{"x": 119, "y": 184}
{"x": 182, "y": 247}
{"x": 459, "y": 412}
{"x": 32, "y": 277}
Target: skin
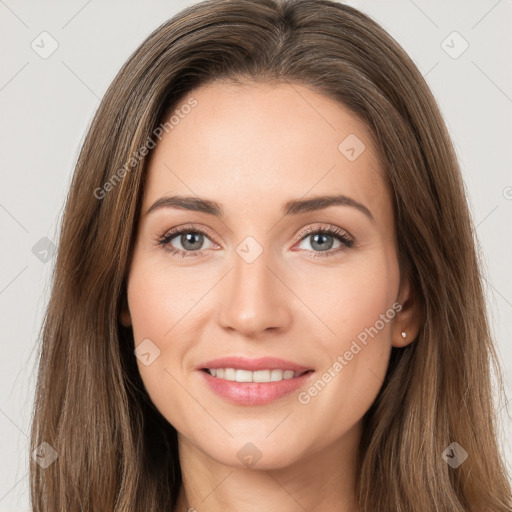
{"x": 252, "y": 147}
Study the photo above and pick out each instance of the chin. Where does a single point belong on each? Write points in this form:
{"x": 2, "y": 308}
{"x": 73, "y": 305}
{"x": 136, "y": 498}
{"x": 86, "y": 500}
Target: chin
{"x": 254, "y": 454}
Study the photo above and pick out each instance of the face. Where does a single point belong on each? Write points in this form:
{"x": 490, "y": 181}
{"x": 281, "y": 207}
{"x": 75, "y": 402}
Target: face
{"x": 264, "y": 320}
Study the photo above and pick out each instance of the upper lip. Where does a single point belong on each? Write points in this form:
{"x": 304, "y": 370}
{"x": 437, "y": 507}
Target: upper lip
{"x": 243, "y": 363}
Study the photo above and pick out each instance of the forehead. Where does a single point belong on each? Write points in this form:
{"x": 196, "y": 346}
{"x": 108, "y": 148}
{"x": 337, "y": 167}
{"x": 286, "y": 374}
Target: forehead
{"x": 241, "y": 144}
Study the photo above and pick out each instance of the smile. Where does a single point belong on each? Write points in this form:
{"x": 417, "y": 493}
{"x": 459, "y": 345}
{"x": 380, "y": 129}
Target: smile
{"x": 243, "y": 381}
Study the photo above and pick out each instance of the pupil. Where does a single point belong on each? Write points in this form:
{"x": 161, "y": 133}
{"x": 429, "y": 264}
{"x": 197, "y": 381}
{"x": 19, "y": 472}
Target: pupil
{"x": 187, "y": 241}
{"x": 320, "y": 240}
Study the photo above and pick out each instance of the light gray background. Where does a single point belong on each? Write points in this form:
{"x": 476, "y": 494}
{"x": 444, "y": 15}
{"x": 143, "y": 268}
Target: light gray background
{"x": 47, "y": 105}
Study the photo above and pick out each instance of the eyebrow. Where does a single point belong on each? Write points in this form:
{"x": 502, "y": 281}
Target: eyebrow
{"x": 293, "y": 207}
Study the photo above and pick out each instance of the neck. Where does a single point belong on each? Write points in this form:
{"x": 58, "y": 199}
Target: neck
{"x": 321, "y": 480}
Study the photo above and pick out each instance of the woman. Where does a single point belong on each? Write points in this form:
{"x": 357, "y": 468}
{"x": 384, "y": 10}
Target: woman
{"x": 267, "y": 295}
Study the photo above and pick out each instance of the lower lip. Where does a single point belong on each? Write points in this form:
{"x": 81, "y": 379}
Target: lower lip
{"x": 254, "y": 393}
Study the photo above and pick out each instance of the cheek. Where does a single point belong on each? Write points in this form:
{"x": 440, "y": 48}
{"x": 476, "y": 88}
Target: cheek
{"x": 358, "y": 309}
{"x": 157, "y": 303}
{"x": 353, "y": 298}
{"x": 159, "y": 299}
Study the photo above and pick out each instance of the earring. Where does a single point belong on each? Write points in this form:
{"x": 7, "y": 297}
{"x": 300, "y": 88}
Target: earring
{"x": 404, "y": 335}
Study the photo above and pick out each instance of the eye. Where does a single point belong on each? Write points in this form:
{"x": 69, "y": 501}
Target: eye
{"x": 190, "y": 241}
{"x": 322, "y": 239}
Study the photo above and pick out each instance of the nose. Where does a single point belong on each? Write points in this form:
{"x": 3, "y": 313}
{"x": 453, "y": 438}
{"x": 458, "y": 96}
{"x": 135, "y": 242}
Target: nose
{"x": 255, "y": 298}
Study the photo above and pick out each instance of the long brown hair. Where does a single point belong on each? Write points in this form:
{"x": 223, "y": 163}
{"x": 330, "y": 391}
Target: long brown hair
{"x": 115, "y": 451}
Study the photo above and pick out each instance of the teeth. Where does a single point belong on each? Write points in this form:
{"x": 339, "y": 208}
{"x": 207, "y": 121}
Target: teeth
{"x": 243, "y": 376}
{"x": 229, "y": 374}
{"x": 257, "y": 376}
{"x": 262, "y": 376}
{"x": 276, "y": 375}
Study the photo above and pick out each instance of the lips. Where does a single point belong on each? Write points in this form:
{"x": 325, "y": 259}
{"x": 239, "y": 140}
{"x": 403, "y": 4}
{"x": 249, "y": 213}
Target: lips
{"x": 253, "y": 381}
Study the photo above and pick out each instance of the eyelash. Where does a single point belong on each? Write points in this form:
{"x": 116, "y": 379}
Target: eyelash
{"x": 338, "y": 233}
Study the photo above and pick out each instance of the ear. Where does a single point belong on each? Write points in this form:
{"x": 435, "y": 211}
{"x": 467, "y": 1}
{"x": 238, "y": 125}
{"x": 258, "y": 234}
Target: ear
{"x": 408, "y": 319}
{"x": 124, "y": 316}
